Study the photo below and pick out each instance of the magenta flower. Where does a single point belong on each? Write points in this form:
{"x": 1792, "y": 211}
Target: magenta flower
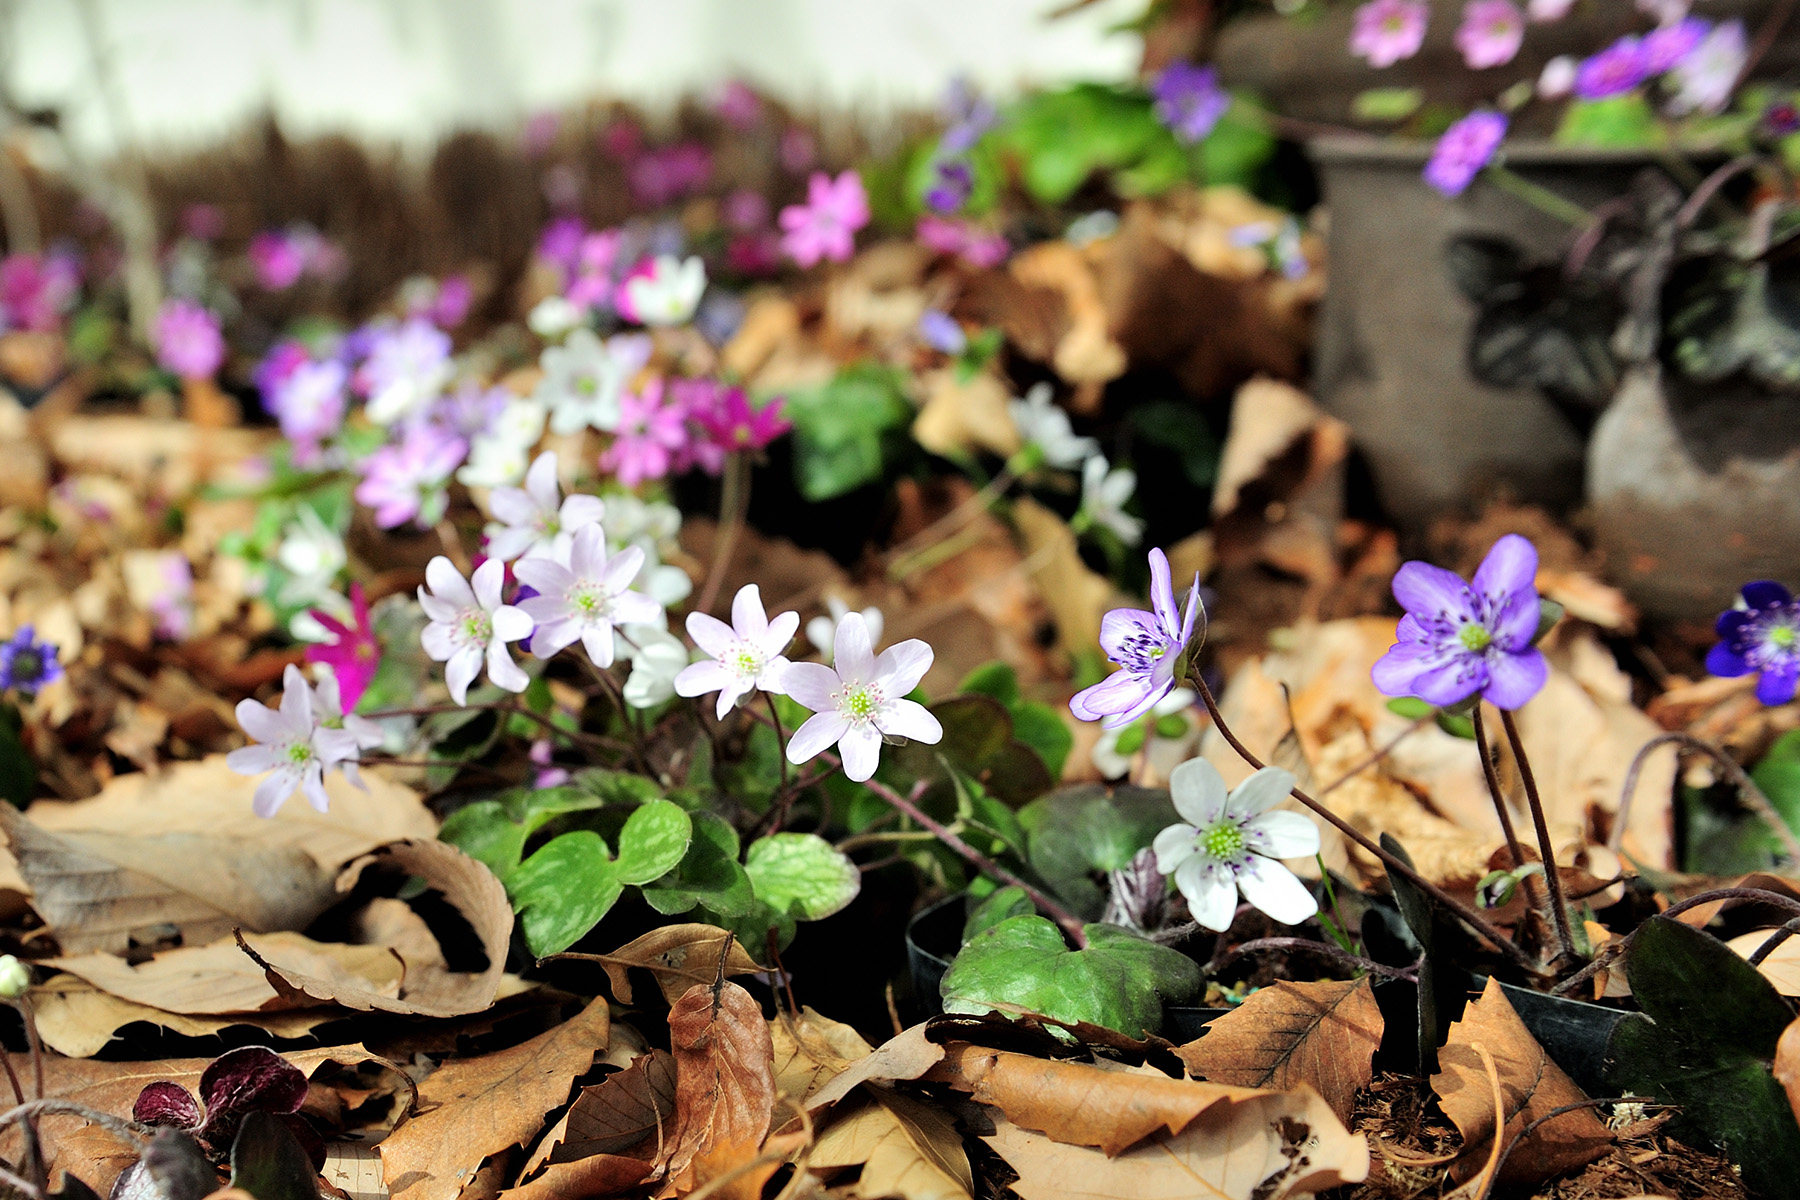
{"x": 738, "y": 105}
{"x": 736, "y": 424}
{"x": 408, "y": 480}
{"x": 1616, "y": 69}
{"x": 860, "y": 700}
{"x": 1459, "y": 640}
{"x": 36, "y": 290}
{"x": 825, "y": 226}
{"x": 1465, "y": 148}
{"x": 1387, "y": 31}
{"x": 971, "y": 243}
{"x": 1147, "y": 646}
{"x": 1490, "y": 34}
{"x": 355, "y": 655}
{"x": 278, "y": 259}
{"x": 649, "y": 437}
{"x": 1761, "y": 636}
{"x": 188, "y": 342}
{"x": 1189, "y": 100}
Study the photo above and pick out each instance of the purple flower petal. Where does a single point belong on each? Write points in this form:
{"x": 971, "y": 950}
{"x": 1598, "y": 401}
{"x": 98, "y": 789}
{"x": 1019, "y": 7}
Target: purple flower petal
{"x": 1731, "y": 624}
{"x": 1515, "y": 678}
{"x": 1121, "y": 628}
{"x": 1451, "y": 680}
{"x": 1511, "y": 566}
{"x": 1429, "y": 592}
{"x": 1765, "y": 593}
{"x": 1725, "y": 662}
{"x": 1776, "y": 686}
{"x": 1515, "y": 621}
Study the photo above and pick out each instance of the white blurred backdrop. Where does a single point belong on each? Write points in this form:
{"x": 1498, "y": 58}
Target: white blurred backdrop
{"x": 185, "y": 71}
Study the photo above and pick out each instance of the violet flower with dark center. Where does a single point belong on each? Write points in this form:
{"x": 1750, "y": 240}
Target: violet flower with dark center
{"x": 1189, "y": 100}
{"x": 1762, "y": 637}
{"x": 1147, "y": 646}
{"x": 27, "y": 664}
{"x": 1459, "y": 639}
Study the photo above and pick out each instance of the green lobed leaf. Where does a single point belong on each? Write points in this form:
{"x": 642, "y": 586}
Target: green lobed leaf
{"x": 654, "y": 839}
{"x": 1077, "y": 833}
{"x": 1002, "y": 904}
{"x": 709, "y": 874}
{"x": 1121, "y": 981}
{"x": 801, "y": 875}
{"x": 563, "y": 890}
{"x": 1704, "y": 1040}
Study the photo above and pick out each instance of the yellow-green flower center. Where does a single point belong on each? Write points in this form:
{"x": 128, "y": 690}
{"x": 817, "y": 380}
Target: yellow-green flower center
{"x": 300, "y": 753}
{"x": 1783, "y": 636}
{"x": 860, "y": 703}
{"x": 476, "y": 627}
{"x": 1475, "y": 637}
{"x": 745, "y": 661}
{"x": 1224, "y": 842}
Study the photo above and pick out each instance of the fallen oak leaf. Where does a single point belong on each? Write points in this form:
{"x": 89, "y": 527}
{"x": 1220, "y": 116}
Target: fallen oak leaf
{"x": 1322, "y": 1034}
{"x": 904, "y": 1148}
{"x": 724, "y": 1090}
{"x": 1533, "y": 1086}
{"x": 1478, "y": 1187}
{"x": 624, "y": 1110}
{"x": 680, "y": 956}
{"x": 474, "y": 1107}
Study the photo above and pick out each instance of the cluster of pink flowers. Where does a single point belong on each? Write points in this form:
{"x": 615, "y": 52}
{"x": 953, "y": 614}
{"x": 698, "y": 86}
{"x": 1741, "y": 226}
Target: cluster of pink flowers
{"x": 282, "y": 257}
{"x": 661, "y": 176}
{"x": 825, "y": 226}
{"x": 687, "y": 424}
{"x": 36, "y": 290}
{"x": 188, "y": 341}
{"x": 965, "y": 240}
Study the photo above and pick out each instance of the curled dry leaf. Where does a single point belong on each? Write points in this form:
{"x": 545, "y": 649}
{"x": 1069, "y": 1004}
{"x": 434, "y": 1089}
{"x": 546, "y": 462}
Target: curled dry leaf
{"x": 904, "y": 1148}
{"x": 680, "y": 956}
{"x": 473, "y": 1107}
{"x": 614, "y": 1137}
{"x": 218, "y": 979}
{"x": 1321, "y": 1034}
{"x": 724, "y": 1090}
{"x": 810, "y": 1051}
{"x": 1533, "y": 1086}
{"x": 959, "y": 417}
{"x": 1786, "y": 1067}
{"x": 909, "y": 1054}
{"x": 77, "y": 1019}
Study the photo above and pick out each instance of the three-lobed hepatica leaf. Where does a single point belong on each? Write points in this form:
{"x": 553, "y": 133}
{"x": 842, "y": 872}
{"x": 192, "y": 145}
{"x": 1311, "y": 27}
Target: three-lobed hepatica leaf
{"x": 1704, "y": 1041}
{"x": 1121, "y": 981}
{"x": 1077, "y": 833}
{"x": 795, "y": 877}
{"x": 708, "y": 874}
{"x": 573, "y": 880}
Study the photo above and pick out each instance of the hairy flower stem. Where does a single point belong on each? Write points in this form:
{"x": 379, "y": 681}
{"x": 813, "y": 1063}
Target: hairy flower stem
{"x": 734, "y": 510}
{"x": 1498, "y": 795}
{"x": 1467, "y": 915}
{"x": 1071, "y": 924}
{"x": 1559, "y": 909}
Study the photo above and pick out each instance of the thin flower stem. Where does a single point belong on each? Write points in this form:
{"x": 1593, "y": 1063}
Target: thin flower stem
{"x": 23, "y": 1004}
{"x": 734, "y": 510}
{"x": 21, "y": 1184}
{"x": 611, "y": 687}
{"x": 1536, "y": 195}
{"x": 56, "y": 1105}
{"x": 1775, "y": 939}
{"x": 780, "y": 738}
{"x": 12, "y": 1077}
{"x": 1559, "y": 909}
{"x": 1469, "y": 916}
{"x": 1307, "y": 945}
{"x": 1752, "y": 795}
{"x": 1532, "y": 889}
{"x": 453, "y": 547}
{"x": 1717, "y": 895}
{"x": 1071, "y": 924}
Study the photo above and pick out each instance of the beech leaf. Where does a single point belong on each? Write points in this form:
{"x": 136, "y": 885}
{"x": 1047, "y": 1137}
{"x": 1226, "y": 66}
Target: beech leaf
{"x": 904, "y": 1148}
{"x": 724, "y": 1089}
{"x": 680, "y": 956}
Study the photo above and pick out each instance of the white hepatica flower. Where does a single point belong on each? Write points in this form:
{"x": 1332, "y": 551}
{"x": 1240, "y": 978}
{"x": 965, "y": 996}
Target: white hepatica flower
{"x": 554, "y": 316}
{"x": 292, "y": 744}
{"x": 669, "y": 294}
{"x": 1233, "y": 843}
{"x": 650, "y": 525}
{"x": 746, "y": 654}
{"x": 470, "y": 626}
{"x": 584, "y": 598}
{"x": 328, "y": 706}
{"x": 1044, "y": 426}
{"x": 312, "y": 553}
{"x": 821, "y": 631}
{"x": 860, "y": 699}
{"x": 657, "y": 658}
{"x": 584, "y": 377}
{"x": 1104, "y": 492}
{"x": 498, "y": 457}
{"x": 536, "y": 521}
{"x": 1162, "y": 751}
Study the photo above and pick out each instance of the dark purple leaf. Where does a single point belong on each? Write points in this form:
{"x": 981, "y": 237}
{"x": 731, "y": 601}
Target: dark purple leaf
{"x": 167, "y": 1104}
{"x": 253, "y": 1079}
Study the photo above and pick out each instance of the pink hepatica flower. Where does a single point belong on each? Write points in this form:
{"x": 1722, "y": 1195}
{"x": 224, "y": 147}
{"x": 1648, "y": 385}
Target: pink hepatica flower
{"x": 662, "y": 291}
{"x": 976, "y": 246}
{"x": 1465, "y": 148}
{"x": 309, "y": 403}
{"x": 1387, "y": 31}
{"x": 292, "y": 744}
{"x": 1490, "y": 34}
{"x": 860, "y": 699}
{"x": 35, "y": 290}
{"x": 408, "y": 480}
{"x": 650, "y": 436}
{"x": 738, "y": 425}
{"x": 585, "y": 598}
{"x": 188, "y": 342}
{"x": 1703, "y": 81}
{"x": 537, "y": 521}
{"x": 355, "y": 655}
{"x": 1233, "y": 842}
{"x": 469, "y": 626}
{"x": 746, "y": 654}
{"x": 278, "y": 258}
{"x": 825, "y": 226}
{"x": 1147, "y": 646}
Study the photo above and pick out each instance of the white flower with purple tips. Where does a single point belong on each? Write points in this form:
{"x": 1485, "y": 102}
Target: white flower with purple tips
{"x": 860, "y": 699}
{"x": 1233, "y": 842}
{"x": 746, "y": 654}
{"x": 470, "y": 627}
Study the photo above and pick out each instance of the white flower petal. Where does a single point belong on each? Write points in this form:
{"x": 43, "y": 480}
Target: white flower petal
{"x": 1261, "y": 792}
{"x": 861, "y": 752}
{"x": 1211, "y": 895}
{"x": 908, "y": 718}
{"x": 814, "y": 735}
{"x": 461, "y": 671}
{"x": 1198, "y": 791}
{"x": 1174, "y": 846}
{"x": 1283, "y": 835}
{"x": 448, "y": 584}
{"x": 1275, "y": 889}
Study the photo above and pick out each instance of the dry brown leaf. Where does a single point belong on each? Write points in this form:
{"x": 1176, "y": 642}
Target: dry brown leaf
{"x": 220, "y": 978}
{"x": 1266, "y": 1147}
{"x": 724, "y": 1090}
{"x": 1086, "y": 353}
{"x": 959, "y": 417}
{"x": 600, "y": 1175}
{"x": 1533, "y": 1085}
{"x": 1781, "y": 967}
{"x": 77, "y": 1019}
{"x": 811, "y": 1050}
{"x": 1079, "y": 1103}
{"x": 906, "y": 1055}
{"x": 626, "y": 1109}
{"x": 353, "y": 1169}
{"x": 1786, "y": 1067}
{"x": 1077, "y": 596}
{"x": 680, "y": 956}
{"x": 473, "y": 1107}
{"x": 433, "y": 990}
{"x": 904, "y": 1148}
{"x": 163, "y": 457}
{"x": 1321, "y": 1034}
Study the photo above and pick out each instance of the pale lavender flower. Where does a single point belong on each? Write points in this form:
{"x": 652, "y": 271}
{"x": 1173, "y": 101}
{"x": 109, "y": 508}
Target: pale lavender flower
{"x": 536, "y": 521}
{"x": 188, "y": 341}
{"x": 470, "y": 410}
{"x": 469, "y": 626}
{"x": 1234, "y": 842}
{"x": 1148, "y": 646}
{"x": 310, "y": 403}
{"x": 942, "y": 332}
{"x": 1459, "y": 639}
{"x": 1465, "y": 148}
{"x": 1105, "y": 489}
{"x": 407, "y": 367}
{"x": 408, "y": 479}
{"x": 746, "y": 655}
{"x": 1047, "y": 436}
{"x": 292, "y": 744}
{"x": 860, "y": 699}
{"x": 1545, "y": 11}
{"x": 1557, "y": 78}
{"x": 1387, "y": 31}
{"x": 1490, "y": 34}
{"x": 1704, "y": 80}
{"x": 1189, "y": 100}
{"x": 328, "y": 707}
{"x": 585, "y": 598}
{"x": 821, "y": 631}
{"x": 1614, "y": 70}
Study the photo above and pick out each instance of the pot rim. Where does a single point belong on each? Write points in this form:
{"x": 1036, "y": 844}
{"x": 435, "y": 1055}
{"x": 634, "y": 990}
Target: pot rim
{"x": 1338, "y": 148}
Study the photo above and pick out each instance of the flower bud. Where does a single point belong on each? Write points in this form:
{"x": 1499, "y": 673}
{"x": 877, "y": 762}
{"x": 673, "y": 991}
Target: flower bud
{"x": 15, "y": 977}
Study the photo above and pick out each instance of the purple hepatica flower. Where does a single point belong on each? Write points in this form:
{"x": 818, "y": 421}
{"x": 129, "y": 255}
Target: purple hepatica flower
{"x": 27, "y": 664}
{"x": 1189, "y": 100}
{"x": 1387, "y": 31}
{"x": 310, "y": 404}
{"x": 1147, "y": 646}
{"x": 1490, "y": 34}
{"x": 1761, "y": 636}
{"x": 1618, "y": 68}
{"x": 188, "y": 342}
{"x": 1459, "y": 640}
{"x": 1465, "y": 148}
{"x": 952, "y": 181}
{"x": 1667, "y": 48}
{"x": 942, "y": 332}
